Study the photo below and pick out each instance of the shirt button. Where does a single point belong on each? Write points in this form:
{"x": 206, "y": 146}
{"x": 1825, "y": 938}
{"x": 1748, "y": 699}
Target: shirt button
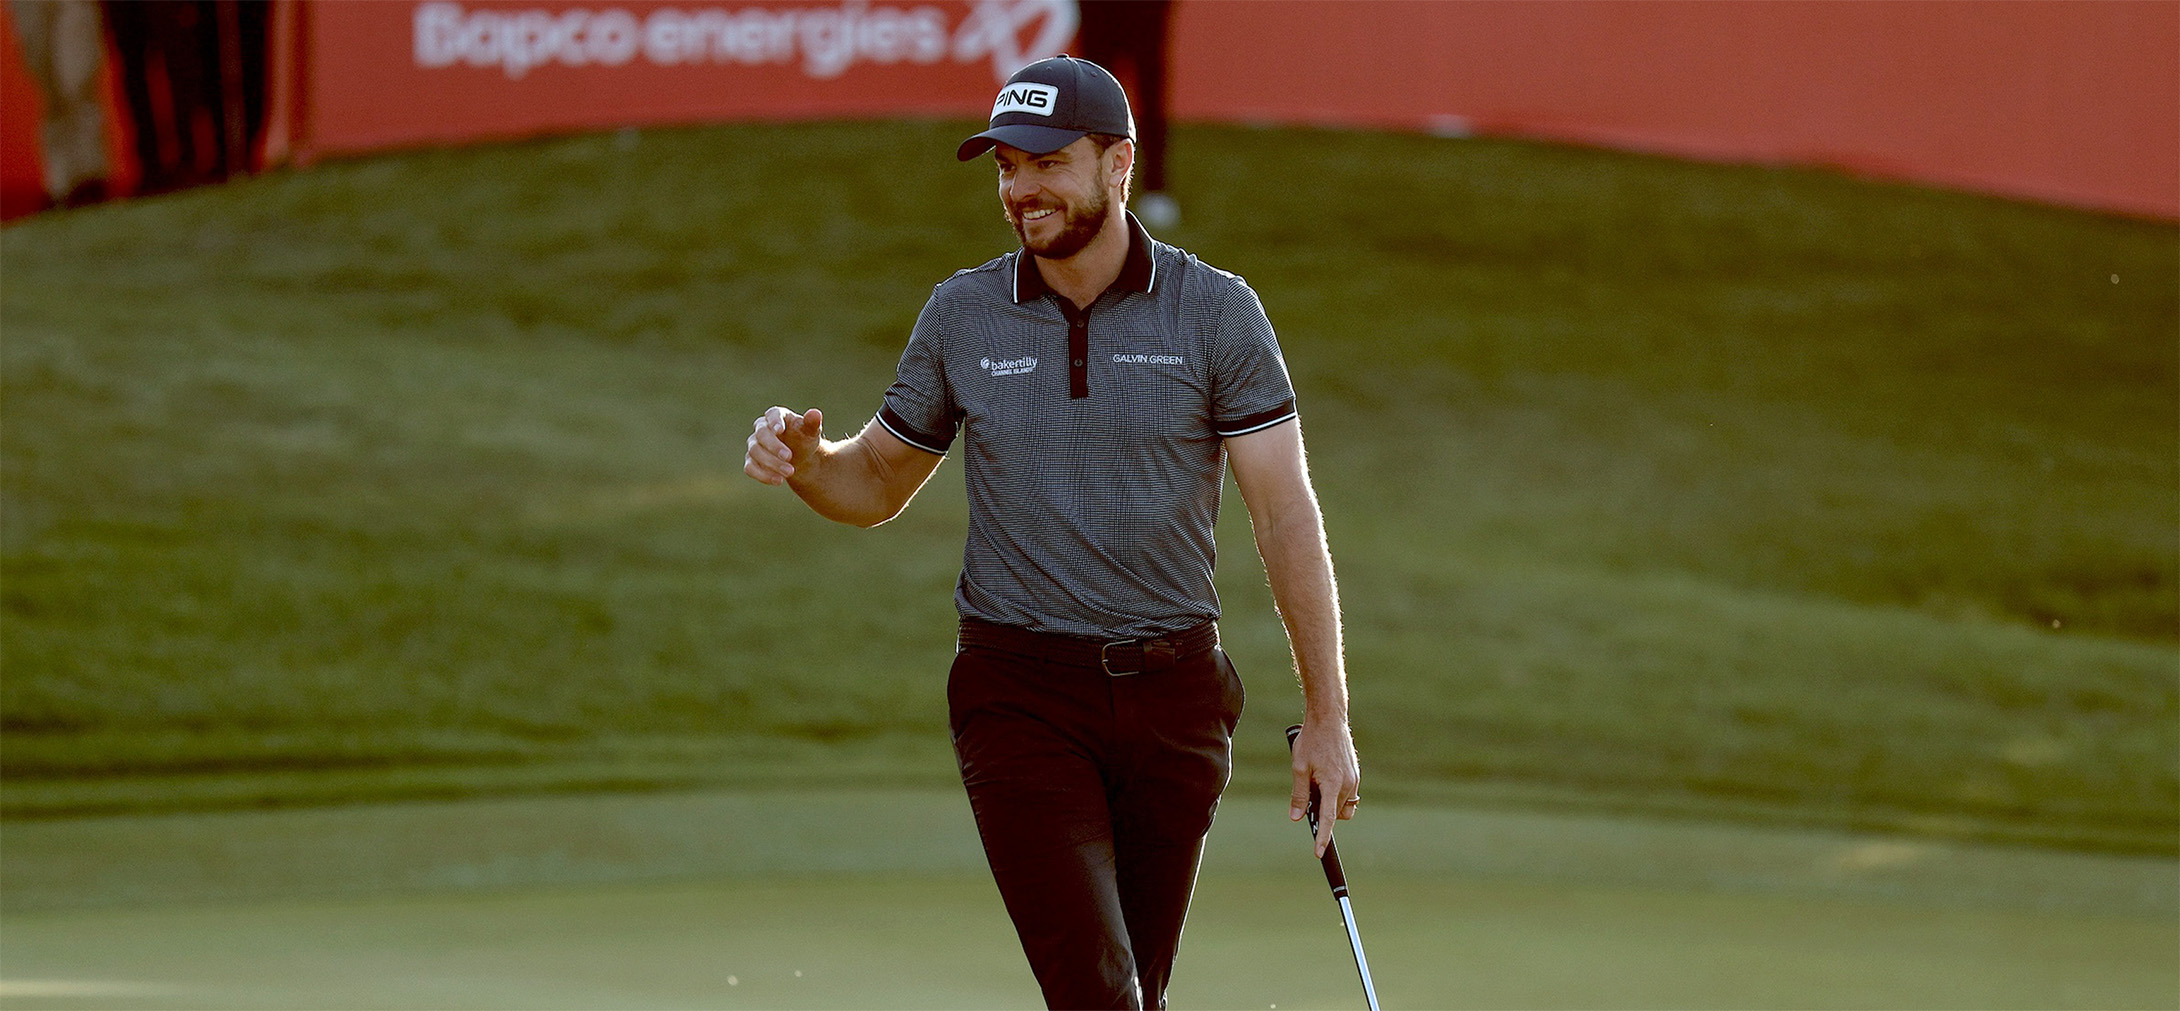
{"x": 1078, "y": 363}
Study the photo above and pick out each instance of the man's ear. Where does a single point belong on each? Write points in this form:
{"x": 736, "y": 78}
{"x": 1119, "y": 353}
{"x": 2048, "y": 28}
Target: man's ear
{"x": 1122, "y": 161}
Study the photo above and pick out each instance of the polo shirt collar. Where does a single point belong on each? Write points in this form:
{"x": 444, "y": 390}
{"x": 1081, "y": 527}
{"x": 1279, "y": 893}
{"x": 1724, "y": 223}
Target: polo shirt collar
{"x": 1138, "y": 271}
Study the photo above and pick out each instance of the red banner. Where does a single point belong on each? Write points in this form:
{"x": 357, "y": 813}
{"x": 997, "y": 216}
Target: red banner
{"x": 2066, "y": 102}
{"x": 2061, "y": 101}
{"x": 381, "y": 75}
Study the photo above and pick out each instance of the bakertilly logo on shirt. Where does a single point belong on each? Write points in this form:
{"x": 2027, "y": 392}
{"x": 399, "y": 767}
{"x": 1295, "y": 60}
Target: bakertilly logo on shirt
{"x": 1008, "y": 366}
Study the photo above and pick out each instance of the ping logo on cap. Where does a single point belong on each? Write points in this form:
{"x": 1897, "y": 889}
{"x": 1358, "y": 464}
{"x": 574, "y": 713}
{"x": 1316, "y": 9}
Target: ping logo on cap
{"x": 1034, "y": 99}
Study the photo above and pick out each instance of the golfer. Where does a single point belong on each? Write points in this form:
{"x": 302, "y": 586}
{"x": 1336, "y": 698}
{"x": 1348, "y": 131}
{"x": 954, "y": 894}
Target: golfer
{"x": 1100, "y": 382}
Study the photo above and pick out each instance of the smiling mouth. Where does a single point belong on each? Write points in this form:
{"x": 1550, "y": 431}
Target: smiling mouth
{"x": 1037, "y": 214}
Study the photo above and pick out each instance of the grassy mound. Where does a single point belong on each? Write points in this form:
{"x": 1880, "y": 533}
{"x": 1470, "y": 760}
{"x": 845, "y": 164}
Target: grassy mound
{"x": 1670, "y": 486}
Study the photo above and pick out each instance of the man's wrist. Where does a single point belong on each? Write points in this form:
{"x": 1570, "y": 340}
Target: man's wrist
{"x": 807, "y": 467}
{"x": 1324, "y": 711}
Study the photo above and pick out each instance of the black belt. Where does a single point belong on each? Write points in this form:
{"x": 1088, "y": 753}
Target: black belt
{"x": 1117, "y": 657}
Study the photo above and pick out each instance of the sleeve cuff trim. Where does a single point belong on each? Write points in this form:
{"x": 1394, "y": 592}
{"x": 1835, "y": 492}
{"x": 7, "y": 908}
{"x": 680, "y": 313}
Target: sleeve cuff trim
{"x": 901, "y": 431}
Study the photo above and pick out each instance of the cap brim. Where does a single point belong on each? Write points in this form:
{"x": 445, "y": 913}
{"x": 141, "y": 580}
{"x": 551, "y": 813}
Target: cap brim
{"x": 1023, "y": 136}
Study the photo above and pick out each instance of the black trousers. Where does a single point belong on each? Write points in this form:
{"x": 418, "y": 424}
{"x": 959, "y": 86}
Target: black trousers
{"x": 1093, "y": 793}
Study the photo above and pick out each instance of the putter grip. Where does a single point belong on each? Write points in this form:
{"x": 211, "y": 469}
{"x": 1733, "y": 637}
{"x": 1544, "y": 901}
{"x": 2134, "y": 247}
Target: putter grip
{"x": 1334, "y": 875}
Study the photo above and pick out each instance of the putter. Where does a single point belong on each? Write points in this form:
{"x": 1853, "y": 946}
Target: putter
{"x": 1337, "y": 878}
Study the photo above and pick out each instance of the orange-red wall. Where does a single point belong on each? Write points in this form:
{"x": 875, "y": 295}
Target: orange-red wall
{"x": 2075, "y": 101}
{"x": 20, "y": 184}
{"x": 2069, "y": 101}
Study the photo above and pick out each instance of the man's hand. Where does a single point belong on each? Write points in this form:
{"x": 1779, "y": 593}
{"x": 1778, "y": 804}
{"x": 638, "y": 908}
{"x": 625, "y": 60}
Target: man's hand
{"x": 1325, "y": 755}
{"x": 782, "y": 440}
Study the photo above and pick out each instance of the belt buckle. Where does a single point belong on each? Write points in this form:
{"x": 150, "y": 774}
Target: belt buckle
{"x": 1107, "y": 665}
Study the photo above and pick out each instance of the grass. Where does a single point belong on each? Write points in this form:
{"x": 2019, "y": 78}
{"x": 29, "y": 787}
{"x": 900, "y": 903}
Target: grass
{"x": 943, "y": 942}
{"x": 1731, "y": 490}
{"x": 1254, "y": 941}
{"x": 850, "y": 898}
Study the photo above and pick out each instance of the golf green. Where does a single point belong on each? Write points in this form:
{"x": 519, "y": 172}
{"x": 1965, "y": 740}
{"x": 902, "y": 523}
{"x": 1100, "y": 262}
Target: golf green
{"x": 1256, "y": 941}
{"x": 874, "y": 899}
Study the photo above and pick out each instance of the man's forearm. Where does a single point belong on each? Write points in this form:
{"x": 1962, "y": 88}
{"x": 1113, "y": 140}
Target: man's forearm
{"x": 1299, "y": 567}
{"x": 846, "y": 483}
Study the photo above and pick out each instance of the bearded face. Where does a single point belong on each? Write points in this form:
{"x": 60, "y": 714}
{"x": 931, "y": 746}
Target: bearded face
{"x": 1079, "y": 221}
{"x": 1057, "y": 203}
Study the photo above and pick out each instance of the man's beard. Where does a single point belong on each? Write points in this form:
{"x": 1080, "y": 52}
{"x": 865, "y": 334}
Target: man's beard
{"x": 1078, "y": 226}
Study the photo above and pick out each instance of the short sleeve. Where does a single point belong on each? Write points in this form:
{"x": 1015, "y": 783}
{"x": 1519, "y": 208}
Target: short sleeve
{"x": 1250, "y": 388}
{"x": 919, "y": 408}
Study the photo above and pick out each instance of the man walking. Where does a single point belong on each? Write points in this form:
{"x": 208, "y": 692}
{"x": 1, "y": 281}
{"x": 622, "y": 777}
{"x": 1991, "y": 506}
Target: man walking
{"x": 1102, "y": 382}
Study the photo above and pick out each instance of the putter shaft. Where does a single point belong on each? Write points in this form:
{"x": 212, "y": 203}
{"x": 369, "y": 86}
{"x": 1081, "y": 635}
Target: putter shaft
{"x": 1354, "y": 939}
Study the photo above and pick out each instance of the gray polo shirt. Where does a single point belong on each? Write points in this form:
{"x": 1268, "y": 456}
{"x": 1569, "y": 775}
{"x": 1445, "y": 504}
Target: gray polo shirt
{"x": 1094, "y": 450}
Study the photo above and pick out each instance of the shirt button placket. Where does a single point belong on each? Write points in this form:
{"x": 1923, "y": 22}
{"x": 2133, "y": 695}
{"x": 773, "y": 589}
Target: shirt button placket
{"x": 1078, "y": 352}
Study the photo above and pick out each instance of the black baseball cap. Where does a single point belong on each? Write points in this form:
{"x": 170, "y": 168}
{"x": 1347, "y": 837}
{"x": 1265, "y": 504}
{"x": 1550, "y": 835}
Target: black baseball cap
{"x": 1049, "y": 104}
